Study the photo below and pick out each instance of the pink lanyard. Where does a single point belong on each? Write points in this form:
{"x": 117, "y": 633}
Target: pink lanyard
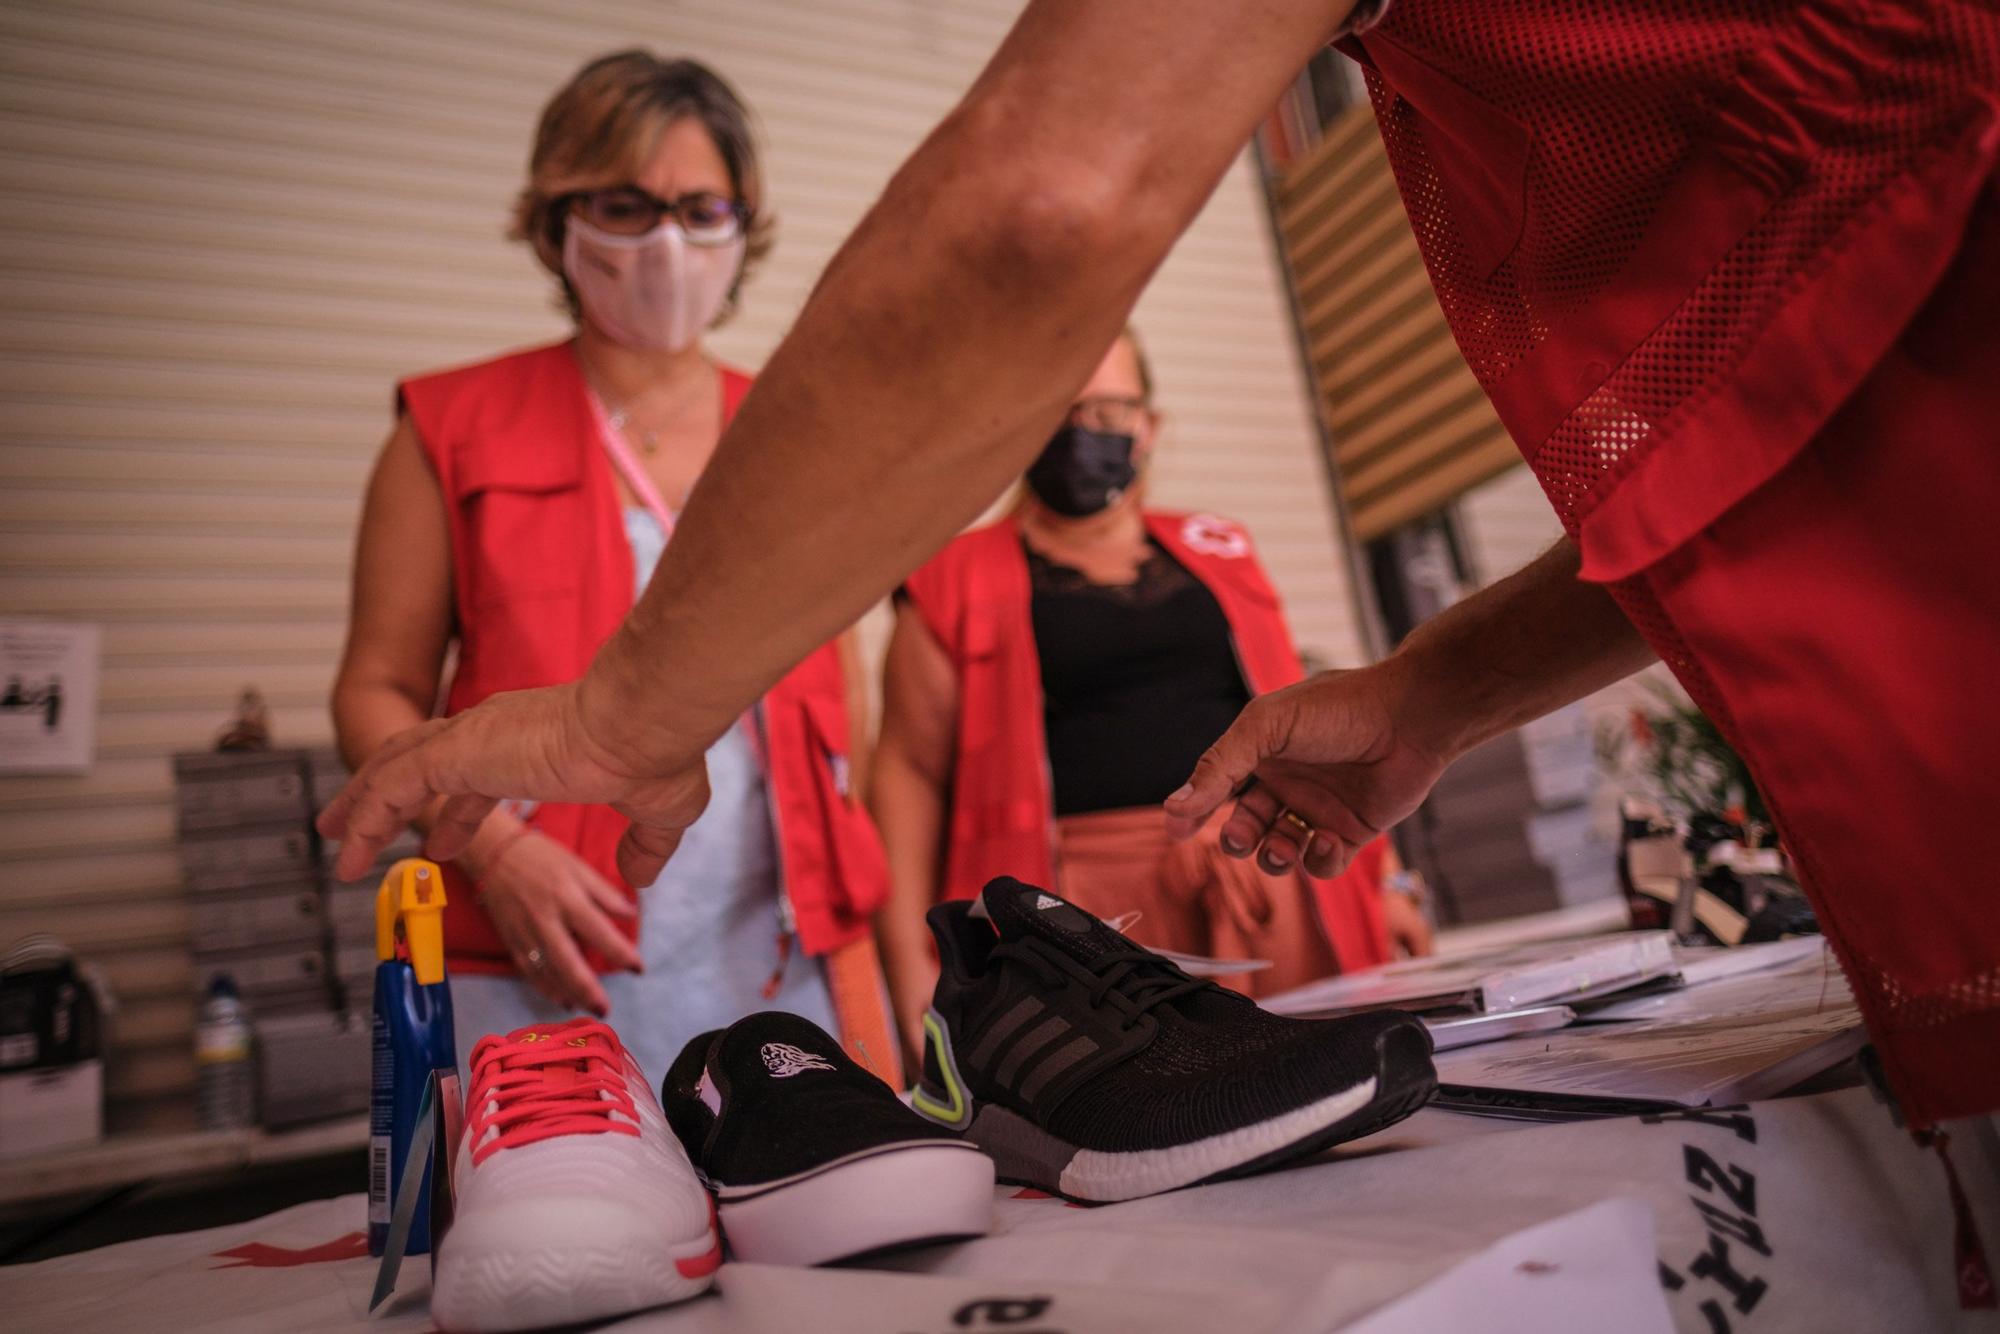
{"x": 628, "y": 467}
{"x": 649, "y": 496}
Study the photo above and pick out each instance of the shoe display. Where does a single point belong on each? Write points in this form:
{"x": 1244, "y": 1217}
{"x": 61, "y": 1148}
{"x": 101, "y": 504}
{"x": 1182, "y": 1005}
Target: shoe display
{"x": 1094, "y": 1069}
{"x": 812, "y": 1158}
{"x": 574, "y": 1200}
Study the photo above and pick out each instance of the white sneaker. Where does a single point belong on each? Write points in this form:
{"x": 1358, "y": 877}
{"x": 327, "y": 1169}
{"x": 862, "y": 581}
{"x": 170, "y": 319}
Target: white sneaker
{"x": 574, "y": 1201}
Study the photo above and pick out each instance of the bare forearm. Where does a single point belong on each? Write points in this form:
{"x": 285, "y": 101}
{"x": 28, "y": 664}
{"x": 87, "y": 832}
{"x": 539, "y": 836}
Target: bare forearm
{"x": 909, "y": 810}
{"x": 1508, "y": 654}
{"x": 943, "y": 342}
{"x": 367, "y": 714}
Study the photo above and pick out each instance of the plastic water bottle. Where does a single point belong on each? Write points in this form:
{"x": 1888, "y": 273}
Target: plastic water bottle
{"x": 226, "y": 1079}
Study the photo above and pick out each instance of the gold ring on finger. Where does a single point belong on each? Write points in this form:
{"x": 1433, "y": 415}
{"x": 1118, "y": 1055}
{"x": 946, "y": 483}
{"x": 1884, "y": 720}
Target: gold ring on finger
{"x": 1298, "y": 824}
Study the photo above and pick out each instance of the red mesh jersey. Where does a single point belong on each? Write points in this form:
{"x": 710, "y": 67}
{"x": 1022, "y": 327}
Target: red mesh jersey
{"x": 1680, "y": 243}
{"x": 1649, "y": 223}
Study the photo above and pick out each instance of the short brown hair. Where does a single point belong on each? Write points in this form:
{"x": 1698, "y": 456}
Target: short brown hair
{"x": 600, "y": 129}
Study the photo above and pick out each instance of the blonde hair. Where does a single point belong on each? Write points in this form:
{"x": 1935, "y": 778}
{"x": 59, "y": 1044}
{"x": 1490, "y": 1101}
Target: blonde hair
{"x": 1131, "y": 339}
{"x": 601, "y": 128}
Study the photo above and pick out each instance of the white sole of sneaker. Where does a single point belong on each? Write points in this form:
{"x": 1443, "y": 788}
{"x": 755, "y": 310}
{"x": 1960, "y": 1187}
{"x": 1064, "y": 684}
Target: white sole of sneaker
{"x": 871, "y": 1201}
{"x": 532, "y": 1289}
{"x": 1095, "y": 1175}
{"x": 1030, "y": 1155}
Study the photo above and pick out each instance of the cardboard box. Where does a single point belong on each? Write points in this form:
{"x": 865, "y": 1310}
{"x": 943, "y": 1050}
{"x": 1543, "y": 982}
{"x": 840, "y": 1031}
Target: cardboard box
{"x": 222, "y": 790}
{"x": 311, "y": 1066}
{"x": 292, "y": 914}
{"x": 270, "y": 980}
{"x": 246, "y": 857}
{"x": 328, "y": 774}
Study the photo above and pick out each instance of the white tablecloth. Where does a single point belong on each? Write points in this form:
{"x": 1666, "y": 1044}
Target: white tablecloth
{"x": 1807, "y": 1214}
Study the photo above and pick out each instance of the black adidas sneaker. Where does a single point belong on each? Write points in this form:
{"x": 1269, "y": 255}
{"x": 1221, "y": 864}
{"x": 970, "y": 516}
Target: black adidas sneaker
{"x": 811, "y": 1158}
{"x": 1097, "y": 1070}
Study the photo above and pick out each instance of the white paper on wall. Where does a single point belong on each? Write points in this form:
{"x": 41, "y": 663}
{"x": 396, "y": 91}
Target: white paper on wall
{"x": 49, "y": 674}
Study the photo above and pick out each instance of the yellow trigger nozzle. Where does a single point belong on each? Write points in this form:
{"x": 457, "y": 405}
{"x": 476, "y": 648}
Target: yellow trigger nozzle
{"x": 413, "y": 890}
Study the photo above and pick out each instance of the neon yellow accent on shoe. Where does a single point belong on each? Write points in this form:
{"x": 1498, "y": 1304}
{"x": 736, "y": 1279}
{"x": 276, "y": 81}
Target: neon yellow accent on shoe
{"x": 953, "y": 1114}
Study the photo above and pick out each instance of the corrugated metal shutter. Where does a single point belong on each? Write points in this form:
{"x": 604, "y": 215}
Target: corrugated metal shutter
{"x": 229, "y": 225}
{"x": 1410, "y": 424}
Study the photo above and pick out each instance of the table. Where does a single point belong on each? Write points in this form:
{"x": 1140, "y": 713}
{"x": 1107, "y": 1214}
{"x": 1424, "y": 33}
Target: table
{"x": 1811, "y": 1213}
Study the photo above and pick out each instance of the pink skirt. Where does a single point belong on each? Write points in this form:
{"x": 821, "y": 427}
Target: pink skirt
{"x": 1191, "y": 897}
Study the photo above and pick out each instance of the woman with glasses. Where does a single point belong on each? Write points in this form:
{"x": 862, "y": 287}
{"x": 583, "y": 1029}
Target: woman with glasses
{"x": 516, "y": 511}
{"x": 1054, "y": 676}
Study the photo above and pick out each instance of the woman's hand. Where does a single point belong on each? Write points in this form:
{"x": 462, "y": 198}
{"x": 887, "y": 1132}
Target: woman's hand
{"x": 531, "y": 744}
{"x": 1332, "y": 750}
{"x": 1409, "y": 930}
{"x": 548, "y": 905}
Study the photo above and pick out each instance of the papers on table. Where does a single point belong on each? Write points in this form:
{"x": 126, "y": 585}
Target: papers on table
{"x": 1516, "y": 978}
{"x": 1711, "y": 963}
{"x": 1614, "y": 1024}
{"x": 1451, "y": 1031}
{"x": 1194, "y": 965}
{"x": 1618, "y": 1070}
{"x": 1745, "y": 1037}
{"x": 1779, "y": 978}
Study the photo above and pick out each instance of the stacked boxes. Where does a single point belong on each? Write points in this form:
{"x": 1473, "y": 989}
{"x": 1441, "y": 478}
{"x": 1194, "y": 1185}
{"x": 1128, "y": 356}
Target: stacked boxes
{"x": 257, "y": 882}
{"x": 249, "y": 852}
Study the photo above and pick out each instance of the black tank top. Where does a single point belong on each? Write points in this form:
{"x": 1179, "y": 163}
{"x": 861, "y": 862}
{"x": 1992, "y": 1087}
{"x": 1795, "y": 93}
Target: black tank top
{"x": 1137, "y": 680}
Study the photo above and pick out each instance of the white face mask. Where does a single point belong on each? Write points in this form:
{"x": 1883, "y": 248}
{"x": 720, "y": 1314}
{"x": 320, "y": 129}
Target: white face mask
{"x": 654, "y": 290}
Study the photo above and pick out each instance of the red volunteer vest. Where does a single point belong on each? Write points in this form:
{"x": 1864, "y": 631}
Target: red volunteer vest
{"x": 541, "y": 576}
{"x": 975, "y": 597}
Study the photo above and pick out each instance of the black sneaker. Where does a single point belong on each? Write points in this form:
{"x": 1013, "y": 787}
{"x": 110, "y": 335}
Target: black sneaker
{"x": 1097, "y": 1070}
{"x": 811, "y": 1158}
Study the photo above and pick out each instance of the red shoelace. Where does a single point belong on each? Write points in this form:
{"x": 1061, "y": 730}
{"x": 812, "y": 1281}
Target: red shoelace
{"x": 548, "y": 1080}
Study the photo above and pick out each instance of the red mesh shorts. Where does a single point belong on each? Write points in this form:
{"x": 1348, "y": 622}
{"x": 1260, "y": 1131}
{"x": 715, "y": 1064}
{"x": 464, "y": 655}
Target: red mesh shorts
{"x": 1726, "y": 269}
{"x": 1843, "y": 625}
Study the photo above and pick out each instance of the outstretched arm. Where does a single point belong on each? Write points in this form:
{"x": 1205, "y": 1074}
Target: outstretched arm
{"x": 942, "y": 344}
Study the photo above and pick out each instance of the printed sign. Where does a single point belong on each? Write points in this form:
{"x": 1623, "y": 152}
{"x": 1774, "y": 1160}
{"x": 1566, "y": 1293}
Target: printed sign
{"x": 48, "y": 696}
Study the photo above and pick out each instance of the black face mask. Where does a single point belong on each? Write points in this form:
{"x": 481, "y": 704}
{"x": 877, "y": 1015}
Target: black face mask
{"x": 1081, "y": 471}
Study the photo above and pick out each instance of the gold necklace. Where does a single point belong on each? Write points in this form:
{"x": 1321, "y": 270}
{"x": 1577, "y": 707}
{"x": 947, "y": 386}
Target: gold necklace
{"x": 649, "y": 441}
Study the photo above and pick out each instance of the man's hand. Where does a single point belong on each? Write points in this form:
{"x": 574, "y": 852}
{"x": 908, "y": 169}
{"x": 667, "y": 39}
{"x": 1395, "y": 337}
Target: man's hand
{"x": 1344, "y": 755}
{"x": 1332, "y": 750}
{"x": 531, "y": 744}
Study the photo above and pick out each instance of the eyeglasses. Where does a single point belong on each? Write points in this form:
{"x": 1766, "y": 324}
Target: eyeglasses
{"x": 1112, "y": 414}
{"x": 626, "y": 210}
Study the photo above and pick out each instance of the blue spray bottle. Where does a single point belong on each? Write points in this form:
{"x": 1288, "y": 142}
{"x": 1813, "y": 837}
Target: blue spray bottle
{"x": 412, "y": 1038}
